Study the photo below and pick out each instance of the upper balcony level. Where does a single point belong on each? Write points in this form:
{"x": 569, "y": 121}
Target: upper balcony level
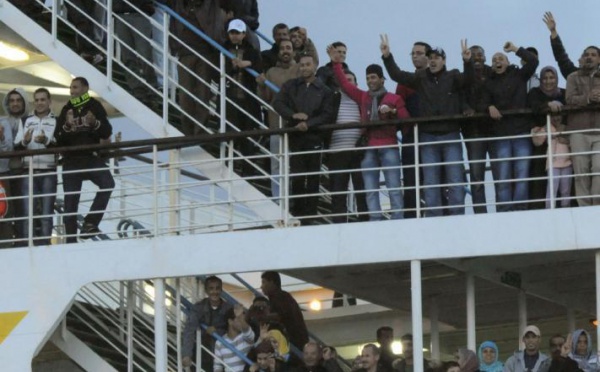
{"x": 224, "y": 202}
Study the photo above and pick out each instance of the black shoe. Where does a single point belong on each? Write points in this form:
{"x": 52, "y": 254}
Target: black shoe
{"x": 89, "y": 230}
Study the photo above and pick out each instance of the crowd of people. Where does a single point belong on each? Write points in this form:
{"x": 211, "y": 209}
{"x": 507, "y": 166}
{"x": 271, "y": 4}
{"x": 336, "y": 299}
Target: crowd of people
{"x": 273, "y": 327}
{"x": 518, "y": 146}
{"x": 82, "y": 122}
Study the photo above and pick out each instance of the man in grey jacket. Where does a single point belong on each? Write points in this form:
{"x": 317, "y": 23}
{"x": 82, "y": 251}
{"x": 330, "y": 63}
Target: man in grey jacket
{"x": 530, "y": 359}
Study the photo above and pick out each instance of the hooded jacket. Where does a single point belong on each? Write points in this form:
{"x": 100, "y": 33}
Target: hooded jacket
{"x": 13, "y": 122}
{"x": 496, "y": 365}
{"x": 587, "y": 362}
{"x": 516, "y": 363}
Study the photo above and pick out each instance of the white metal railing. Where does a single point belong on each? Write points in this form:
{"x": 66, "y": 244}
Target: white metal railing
{"x": 162, "y": 205}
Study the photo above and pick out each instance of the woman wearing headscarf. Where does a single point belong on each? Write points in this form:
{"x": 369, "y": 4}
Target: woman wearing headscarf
{"x": 488, "y": 357}
{"x": 467, "y": 360}
{"x": 548, "y": 97}
{"x": 581, "y": 351}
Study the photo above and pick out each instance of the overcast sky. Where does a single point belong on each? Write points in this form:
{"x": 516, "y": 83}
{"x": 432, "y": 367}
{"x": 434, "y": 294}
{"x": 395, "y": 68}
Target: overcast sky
{"x": 443, "y": 23}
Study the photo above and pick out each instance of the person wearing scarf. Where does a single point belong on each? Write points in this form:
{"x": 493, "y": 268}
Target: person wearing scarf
{"x": 549, "y": 97}
{"x": 582, "y": 351}
{"x": 488, "y": 357}
{"x": 467, "y": 360}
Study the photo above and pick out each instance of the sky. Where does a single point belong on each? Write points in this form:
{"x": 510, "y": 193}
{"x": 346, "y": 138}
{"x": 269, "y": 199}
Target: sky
{"x": 358, "y": 23}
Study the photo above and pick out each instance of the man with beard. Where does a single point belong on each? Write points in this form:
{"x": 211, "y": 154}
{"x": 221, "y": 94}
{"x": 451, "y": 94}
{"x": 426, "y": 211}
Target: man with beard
{"x": 530, "y": 359}
{"x": 286, "y": 69}
{"x": 305, "y": 103}
{"x": 303, "y": 44}
{"x": 440, "y": 93}
{"x": 559, "y": 360}
{"x": 269, "y": 56}
{"x": 15, "y": 105}
{"x": 583, "y": 90}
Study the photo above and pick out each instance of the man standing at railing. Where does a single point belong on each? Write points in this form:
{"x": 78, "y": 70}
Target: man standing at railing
{"x": 440, "y": 93}
{"x": 305, "y": 103}
{"x": 269, "y": 57}
{"x": 37, "y": 132}
{"x": 211, "y": 313}
{"x": 583, "y": 90}
{"x": 16, "y": 106}
{"x": 83, "y": 121}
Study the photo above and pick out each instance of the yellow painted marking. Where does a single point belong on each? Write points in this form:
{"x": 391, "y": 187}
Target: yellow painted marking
{"x": 8, "y": 322}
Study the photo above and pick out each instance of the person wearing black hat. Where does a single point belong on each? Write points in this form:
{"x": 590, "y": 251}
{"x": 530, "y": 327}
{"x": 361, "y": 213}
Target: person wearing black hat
{"x": 440, "y": 93}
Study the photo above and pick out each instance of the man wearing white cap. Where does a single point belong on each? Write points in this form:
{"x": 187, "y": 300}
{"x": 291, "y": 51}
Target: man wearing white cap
{"x": 530, "y": 359}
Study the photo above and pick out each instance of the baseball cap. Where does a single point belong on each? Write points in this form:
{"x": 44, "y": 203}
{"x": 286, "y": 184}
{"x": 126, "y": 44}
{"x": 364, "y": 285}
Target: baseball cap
{"x": 237, "y": 25}
{"x": 533, "y": 329}
{"x": 437, "y": 50}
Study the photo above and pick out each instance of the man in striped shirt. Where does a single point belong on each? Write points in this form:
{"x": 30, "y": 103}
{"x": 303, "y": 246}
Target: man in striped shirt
{"x": 239, "y": 336}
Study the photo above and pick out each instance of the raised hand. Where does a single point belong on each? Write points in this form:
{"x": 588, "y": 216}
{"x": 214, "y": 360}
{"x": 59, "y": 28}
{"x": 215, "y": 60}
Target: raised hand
{"x": 333, "y": 53}
{"x": 550, "y": 23}
{"x": 28, "y": 135}
{"x": 89, "y": 119}
{"x": 385, "y": 45}
{"x": 566, "y": 348}
{"x": 41, "y": 138}
{"x": 466, "y": 52}
{"x": 510, "y": 47}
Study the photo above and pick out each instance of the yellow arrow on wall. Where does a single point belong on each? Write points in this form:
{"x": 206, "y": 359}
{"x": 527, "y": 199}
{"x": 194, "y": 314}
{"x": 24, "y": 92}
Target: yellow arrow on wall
{"x": 8, "y": 322}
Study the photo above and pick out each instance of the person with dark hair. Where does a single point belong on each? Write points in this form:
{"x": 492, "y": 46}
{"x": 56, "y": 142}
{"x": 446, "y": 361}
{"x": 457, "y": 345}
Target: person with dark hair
{"x": 407, "y": 362}
{"x": 529, "y": 359}
{"x": 477, "y": 131}
{"x": 209, "y": 312}
{"x": 269, "y": 57}
{"x": 559, "y": 360}
{"x": 534, "y": 80}
{"x": 286, "y": 307}
{"x": 566, "y": 66}
{"x": 265, "y": 361}
{"x": 305, "y": 103}
{"x": 583, "y": 90}
{"x": 16, "y": 106}
{"x": 37, "y": 132}
{"x": 467, "y": 360}
{"x": 247, "y": 11}
{"x": 325, "y": 73}
{"x": 239, "y": 335}
{"x": 370, "y": 357}
{"x": 303, "y": 44}
{"x": 377, "y": 104}
{"x": 385, "y": 338}
{"x": 83, "y": 121}
{"x": 330, "y": 357}
{"x": 506, "y": 89}
{"x": 82, "y": 14}
{"x": 449, "y": 366}
{"x": 419, "y": 59}
{"x": 440, "y": 93}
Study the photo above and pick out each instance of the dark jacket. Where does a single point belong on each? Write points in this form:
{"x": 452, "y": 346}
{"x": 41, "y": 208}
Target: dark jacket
{"x": 206, "y": 15}
{"x": 565, "y": 64}
{"x": 325, "y": 73}
{"x": 247, "y": 11}
{"x": 538, "y": 102}
{"x": 269, "y": 57}
{"x": 508, "y": 91}
{"x": 202, "y": 313}
{"x": 314, "y": 99}
{"x": 475, "y": 97}
{"x": 82, "y": 135}
{"x": 146, "y": 6}
{"x": 283, "y": 303}
{"x": 439, "y": 94}
{"x": 247, "y": 53}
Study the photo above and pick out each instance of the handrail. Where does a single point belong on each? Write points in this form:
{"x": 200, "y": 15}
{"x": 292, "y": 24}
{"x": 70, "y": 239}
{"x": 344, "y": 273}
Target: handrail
{"x": 209, "y": 40}
{"x": 264, "y": 37}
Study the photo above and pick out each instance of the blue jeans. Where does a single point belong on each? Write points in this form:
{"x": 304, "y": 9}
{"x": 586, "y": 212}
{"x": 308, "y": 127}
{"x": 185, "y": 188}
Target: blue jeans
{"x": 44, "y": 183}
{"x": 384, "y": 157}
{"x": 432, "y": 175}
{"x": 511, "y": 195}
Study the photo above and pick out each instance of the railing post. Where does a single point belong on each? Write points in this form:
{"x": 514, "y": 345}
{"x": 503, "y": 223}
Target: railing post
{"x": 174, "y": 192}
{"x": 166, "y": 69}
{"x": 230, "y": 156}
{"x": 54, "y": 25}
{"x": 160, "y": 326}
{"x": 550, "y": 156}
{"x": 434, "y": 329}
{"x": 223, "y": 102}
{"x": 109, "y": 42}
{"x": 284, "y": 189}
{"x": 597, "y": 299}
{"x": 155, "y": 201}
{"x": 417, "y": 172}
{"x": 471, "y": 341}
{"x": 178, "y": 322}
{"x": 417, "y": 315}
{"x": 522, "y": 302}
{"x": 130, "y": 308}
{"x": 30, "y": 205}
